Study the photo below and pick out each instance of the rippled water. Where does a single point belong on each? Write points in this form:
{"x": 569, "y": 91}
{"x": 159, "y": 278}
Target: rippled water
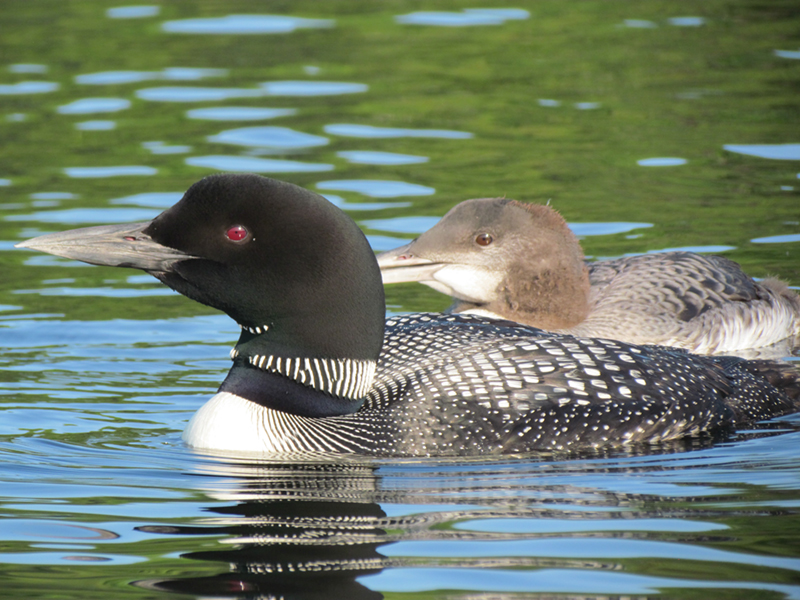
{"x": 650, "y": 126}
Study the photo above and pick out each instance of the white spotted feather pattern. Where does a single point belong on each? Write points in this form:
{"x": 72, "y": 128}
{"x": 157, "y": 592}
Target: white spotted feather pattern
{"x": 460, "y": 385}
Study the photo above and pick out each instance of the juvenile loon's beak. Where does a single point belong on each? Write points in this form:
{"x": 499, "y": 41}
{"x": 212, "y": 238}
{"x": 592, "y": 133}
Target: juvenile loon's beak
{"x": 399, "y": 265}
{"x": 123, "y": 245}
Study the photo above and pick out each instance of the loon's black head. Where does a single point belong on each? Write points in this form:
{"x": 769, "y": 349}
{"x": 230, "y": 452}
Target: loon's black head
{"x": 270, "y": 254}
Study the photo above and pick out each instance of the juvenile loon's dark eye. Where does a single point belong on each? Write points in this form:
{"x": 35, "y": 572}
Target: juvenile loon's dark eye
{"x": 484, "y": 239}
{"x": 237, "y": 233}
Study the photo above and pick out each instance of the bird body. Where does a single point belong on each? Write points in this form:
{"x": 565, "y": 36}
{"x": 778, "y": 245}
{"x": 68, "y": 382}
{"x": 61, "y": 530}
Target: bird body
{"x": 509, "y": 260}
{"x": 317, "y": 369}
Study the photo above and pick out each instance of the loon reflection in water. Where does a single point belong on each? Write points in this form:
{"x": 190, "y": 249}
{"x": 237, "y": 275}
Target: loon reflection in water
{"x": 317, "y": 369}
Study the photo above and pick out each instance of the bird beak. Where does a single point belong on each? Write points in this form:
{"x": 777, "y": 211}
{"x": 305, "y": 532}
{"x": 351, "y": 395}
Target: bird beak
{"x": 400, "y": 265}
{"x": 109, "y": 245}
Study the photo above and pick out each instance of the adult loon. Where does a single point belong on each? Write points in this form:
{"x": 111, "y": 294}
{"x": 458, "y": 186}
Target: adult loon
{"x": 317, "y": 369}
{"x": 502, "y": 258}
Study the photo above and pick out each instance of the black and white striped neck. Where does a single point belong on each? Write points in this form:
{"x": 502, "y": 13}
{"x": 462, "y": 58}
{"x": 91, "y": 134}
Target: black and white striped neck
{"x": 290, "y": 379}
{"x": 344, "y": 378}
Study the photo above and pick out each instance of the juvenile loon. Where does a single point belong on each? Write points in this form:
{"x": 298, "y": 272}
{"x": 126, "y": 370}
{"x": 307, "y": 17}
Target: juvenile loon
{"x": 502, "y": 258}
{"x": 318, "y": 369}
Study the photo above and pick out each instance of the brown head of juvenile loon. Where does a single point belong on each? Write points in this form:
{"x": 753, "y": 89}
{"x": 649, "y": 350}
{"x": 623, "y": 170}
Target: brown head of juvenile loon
{"x": 502, "y": 258}
{"x": 317, "y": 369}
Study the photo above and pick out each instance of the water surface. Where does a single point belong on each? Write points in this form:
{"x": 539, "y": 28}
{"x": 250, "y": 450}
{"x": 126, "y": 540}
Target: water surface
{"x": 649, "y": 126}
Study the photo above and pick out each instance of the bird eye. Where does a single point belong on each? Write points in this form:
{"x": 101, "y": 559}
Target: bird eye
{"x": 484, "y": 239}
{"x": 237, "y": 233}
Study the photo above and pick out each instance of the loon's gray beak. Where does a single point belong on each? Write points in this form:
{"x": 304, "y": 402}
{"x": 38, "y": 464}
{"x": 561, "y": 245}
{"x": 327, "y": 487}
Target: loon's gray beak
{"x": 399, "y": 265}
{"x": 109, "y": 245}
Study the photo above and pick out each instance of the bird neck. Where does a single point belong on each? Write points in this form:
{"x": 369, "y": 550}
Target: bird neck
{"x": 288, "y": 379}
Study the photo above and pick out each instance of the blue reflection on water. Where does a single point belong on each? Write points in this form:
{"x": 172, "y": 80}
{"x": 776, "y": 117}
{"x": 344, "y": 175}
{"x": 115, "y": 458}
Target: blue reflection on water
{"x": 28, "y": 87}
{"x": 543, "y": 580}
{"x": 666, "y": 161}
{"x": 172, "y": 73}
{"x": 133, "y": 12}
{"x": 402, "y": 225}
{"x": 195, "y": 94}
{"x": 640, "y": 24}
{"x": 550, "y": 525}
{"x": 583, "y": 229}
{"x": 369, "y": 131}
{"x": 251, "y": 164}
{"x": 162, "y": 148}
{"x": 149, "y": 199}
{"x": 94, "y": 105}
{"x": 312, "y": 88}
{"x": 96, "y": 125}
{"x": 269, "y": 137}
{"x": 777, "y": 239}
{"x": 238, "y": 113}
{"x": 339, "y": 202}
{"x": 86, "y": 215}
{"x": 377, "y": 188}
{"x": 53, "y": 196}
{"x": 28, "y": 68}
{"x": 468, "y": 17}
{"x": 369, "y": 157}
{"x": 245, "y": 24}
{"x": 99, "y": 172}
{"x": 687, "y": 21}
{"x": 771, "y": 151}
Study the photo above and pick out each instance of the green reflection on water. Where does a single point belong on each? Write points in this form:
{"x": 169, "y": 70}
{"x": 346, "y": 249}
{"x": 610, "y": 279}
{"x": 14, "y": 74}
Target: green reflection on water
{"x": 665, "y": 91}
{"x": 660, "y": 92}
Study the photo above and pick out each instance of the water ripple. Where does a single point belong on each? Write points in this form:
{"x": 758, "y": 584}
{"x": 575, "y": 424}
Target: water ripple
{"x": 195, "y": 94}
{"x": 245, "y": 24}
{"x": 171, "y": 74}
{"x": 120, "y": 171}
{"x": 377, "y": 188}
{"x": 149, "y": 199}
{"x": 28, "y": 68}
{"x": 467, "y": 18}
{"x": 368, "y": 131}
{"x": 94, "y": 105}
{"x": 132, "y": 12}
{"x": 771, "y": 151}
{"x": 251, "y": 164}
{"x": 238, "y": 113}
{"x": 269, "y": 137}
{"x": 312, "y": 88}
{"x": 28, "y": 87}
{"x": 369, "y": 157}
{"x": 96, "y": 125}
{"x": 86, "y": 215}
{"x": 666, "y": 161}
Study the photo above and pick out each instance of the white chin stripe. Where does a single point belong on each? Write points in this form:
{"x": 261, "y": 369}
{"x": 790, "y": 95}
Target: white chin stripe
{"x": 255, "y": 330}
{"x": 467, "y": 283}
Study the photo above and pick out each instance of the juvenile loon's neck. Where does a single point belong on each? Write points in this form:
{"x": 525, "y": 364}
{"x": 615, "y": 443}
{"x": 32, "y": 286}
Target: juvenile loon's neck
{"x": 282, "y": 379}
{"x": 554, "y": 301}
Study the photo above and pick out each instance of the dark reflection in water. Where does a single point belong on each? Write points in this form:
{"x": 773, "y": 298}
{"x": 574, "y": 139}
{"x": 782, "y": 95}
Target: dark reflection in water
{"x": 314, "y": 530}
{"x": 301, "y": 531}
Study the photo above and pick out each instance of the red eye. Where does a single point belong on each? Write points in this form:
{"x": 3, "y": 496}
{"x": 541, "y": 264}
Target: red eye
{"x": 237, "y": 233}
{"x": 484, "y": 239}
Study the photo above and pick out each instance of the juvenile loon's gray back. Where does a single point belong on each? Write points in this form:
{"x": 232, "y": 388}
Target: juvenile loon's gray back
{"x": 516, "y": 261}
{"x": 318, "y": 369}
